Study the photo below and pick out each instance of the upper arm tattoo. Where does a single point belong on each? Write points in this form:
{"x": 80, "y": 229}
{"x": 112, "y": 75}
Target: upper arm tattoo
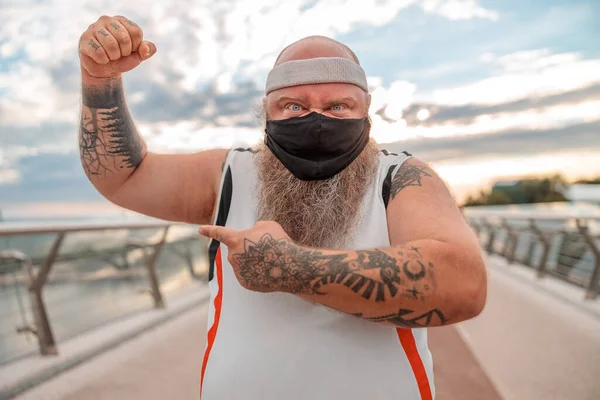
{"x": 407, "y": 175}
{"x": 108, "y": 139}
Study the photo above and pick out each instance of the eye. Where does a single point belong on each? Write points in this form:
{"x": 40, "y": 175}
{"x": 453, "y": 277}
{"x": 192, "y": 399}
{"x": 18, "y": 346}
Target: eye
{"x": 294, "y": 107}
{"x": 338, "y": 107}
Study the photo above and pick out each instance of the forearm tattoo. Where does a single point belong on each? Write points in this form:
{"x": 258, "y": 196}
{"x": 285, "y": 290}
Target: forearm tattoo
{"x": 108, "y": 140}
{"x": 409, "y": 319}
{"x": 407, "y": 175}
{"x": 374, "y": 275}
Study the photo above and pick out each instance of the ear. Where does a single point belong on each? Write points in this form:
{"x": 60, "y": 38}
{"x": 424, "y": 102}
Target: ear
{"x": 368, "y": 102}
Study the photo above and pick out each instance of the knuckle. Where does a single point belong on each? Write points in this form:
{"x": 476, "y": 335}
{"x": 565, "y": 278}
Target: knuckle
{"x": 103, "y": 18}
{"x": 235, "y": 242}
{"x": 136, "y": 34}
{"x": 112, "y": 45}
{"x": 124, "y": 38}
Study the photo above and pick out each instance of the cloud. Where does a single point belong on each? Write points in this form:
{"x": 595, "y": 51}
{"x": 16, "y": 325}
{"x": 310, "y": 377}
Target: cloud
{"x": 200, "y": 44}
{"x": 208, "y": 73}
{"x": 525, "y": 74}
{"x": 465, "y": 114}
{"x": 459, "y": 9}
{"x": 47, "y": 177}
{"x": 199, "y": 90}
{"x": 510, "y": 142}
{"x": 530, "y": 90}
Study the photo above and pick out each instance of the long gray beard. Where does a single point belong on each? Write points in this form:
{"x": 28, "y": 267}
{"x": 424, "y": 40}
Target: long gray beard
{"x": 323, "y": 213}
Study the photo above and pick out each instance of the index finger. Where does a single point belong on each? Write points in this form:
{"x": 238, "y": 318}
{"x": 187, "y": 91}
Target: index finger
{"x": 219, "y": 233}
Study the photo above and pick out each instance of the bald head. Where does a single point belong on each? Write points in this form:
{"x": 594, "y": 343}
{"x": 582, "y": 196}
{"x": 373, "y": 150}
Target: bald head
{"x": 314, "y": 47}
{"x": 316, "y": 74}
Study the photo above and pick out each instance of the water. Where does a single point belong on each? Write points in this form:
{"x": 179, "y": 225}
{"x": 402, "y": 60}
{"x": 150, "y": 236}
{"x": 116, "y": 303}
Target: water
{"x": 94, "y": 281}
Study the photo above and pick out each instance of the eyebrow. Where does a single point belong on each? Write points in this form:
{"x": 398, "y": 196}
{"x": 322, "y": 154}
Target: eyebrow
{"x": 335, "y": 100}
{"x": 288, "y": 98}
{"x": 347, "y": 99}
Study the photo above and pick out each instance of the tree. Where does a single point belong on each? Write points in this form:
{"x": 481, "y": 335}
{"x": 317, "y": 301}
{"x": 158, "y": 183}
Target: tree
{"x": 593, "y": 181}
{"x": 525, "y": 191}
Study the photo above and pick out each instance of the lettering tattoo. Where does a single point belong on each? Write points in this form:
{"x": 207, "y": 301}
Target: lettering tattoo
{"x": 108, "y": 139}
{"x": 103, "y": 32}
{"x": 94, "y": 45}
{"x": 407, "y": 175}
{"x": 374, "y": 275}
{"x": 115, "y": 26}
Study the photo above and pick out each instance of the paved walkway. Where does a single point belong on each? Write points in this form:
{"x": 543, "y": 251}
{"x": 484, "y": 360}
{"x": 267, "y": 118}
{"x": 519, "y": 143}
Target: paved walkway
{"x": 165, "y": 362}
{"x": 535, "y": 340}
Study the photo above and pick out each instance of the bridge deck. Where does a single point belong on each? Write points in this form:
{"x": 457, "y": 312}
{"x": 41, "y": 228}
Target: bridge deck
{"x": 164, "y": 363}
{"x": 530, "y": 342}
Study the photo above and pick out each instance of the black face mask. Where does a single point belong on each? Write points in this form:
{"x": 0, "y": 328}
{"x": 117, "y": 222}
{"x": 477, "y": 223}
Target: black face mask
{"x": 315, "y": 146}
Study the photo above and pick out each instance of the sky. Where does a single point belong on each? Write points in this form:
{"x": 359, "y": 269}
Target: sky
{"x": 481, "y": 90}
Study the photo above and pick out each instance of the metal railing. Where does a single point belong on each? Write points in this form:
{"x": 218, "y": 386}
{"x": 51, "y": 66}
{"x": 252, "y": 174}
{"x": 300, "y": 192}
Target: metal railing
{"x": 563, "y": 245}
{"x": 36, "y": 268}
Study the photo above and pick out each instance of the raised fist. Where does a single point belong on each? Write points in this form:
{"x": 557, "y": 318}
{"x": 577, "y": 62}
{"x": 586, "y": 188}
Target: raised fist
{"x": 113, "y": 45}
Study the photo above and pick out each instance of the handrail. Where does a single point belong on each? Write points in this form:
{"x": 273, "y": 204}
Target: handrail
{"x": 27, "y": 228}
{"x": 526, "y": 215}
{"x": 35, "y": 283}
{"x": 37, "y": 278}
{"x": 542, "y": 238}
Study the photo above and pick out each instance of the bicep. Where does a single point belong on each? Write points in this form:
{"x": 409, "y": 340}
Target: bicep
{"x": 422, "y": 207}
{"x": 174, "y": 187}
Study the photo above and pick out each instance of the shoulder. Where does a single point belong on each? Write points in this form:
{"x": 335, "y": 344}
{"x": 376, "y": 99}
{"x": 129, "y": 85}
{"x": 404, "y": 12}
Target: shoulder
{"x": 414, "y": 173}
{"x": 422, "y": 206}
{"x": 239, "y": 160}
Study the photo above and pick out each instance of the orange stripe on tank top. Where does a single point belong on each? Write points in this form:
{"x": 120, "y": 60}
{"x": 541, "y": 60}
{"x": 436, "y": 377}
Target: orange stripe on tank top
{"x": 212, "y": 332}
{"x": 414, "y": 358}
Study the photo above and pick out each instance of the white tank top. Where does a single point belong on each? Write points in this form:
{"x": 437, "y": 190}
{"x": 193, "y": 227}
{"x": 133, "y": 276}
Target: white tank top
{"x": 276, "y": 346}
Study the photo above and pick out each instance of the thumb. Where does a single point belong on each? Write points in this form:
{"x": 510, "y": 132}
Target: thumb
{"x": 146, "y": 50}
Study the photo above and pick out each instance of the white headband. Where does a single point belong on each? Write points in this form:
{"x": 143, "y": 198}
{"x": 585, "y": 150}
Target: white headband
{"x": 316, "y": 70}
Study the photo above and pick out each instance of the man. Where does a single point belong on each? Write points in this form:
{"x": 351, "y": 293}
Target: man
{"x": 355, "y": 251}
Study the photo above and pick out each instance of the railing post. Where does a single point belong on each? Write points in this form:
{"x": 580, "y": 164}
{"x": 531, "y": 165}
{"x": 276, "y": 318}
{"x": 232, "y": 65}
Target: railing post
{"x": 477, "y": 228}
{"x": 151, "y": 268}
{"x": 510, "y": 243}
{"x": 489, "y": 247}
{"x": 189, "y": 259}
{"x": 35, "y": 284}
{"x": 592, "y": 288}
{"x": 530, "y": 250}
{"x": 541, "y": 267}
{"x": 513, "y": 247}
